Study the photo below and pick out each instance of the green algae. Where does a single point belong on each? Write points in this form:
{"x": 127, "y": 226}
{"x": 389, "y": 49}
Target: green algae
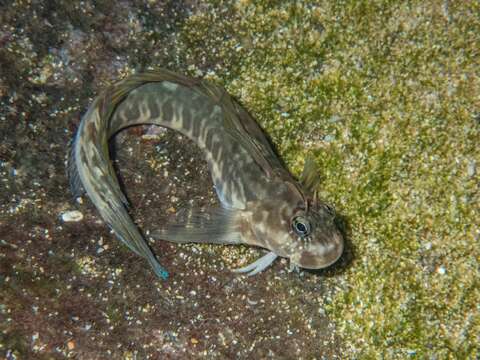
{"x": 384, "y": 95}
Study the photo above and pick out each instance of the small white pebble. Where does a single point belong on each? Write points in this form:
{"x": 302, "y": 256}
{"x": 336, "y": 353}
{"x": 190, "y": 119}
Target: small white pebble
{"x": 329, "y": 138}
{"x": 251, "y": 302}
{"x": 72, "y": 216}
{"x": 471, "y": 168}
{"x": 150, "y": 137}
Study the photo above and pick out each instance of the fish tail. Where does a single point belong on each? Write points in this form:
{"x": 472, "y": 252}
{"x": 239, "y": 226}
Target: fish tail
{"x": 90, "y": 169}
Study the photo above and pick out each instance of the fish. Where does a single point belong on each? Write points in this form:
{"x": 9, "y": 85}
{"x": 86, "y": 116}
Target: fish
{"x": 261, "y": 203}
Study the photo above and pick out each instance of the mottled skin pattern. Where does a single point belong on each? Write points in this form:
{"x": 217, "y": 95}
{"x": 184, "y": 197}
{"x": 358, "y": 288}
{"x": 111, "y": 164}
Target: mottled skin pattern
{"x": 262, "y": 204}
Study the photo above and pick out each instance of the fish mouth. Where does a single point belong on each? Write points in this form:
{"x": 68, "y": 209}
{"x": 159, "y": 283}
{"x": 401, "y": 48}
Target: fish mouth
{"x": 320, "y": 256}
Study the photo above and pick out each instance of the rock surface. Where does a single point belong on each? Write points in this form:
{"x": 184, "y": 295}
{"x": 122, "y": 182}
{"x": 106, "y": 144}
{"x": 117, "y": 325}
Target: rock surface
{"x": 384, "y": 95}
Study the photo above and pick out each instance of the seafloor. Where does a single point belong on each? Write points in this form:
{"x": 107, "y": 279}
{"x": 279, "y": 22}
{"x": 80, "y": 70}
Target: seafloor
{"x": 384, "y": 94}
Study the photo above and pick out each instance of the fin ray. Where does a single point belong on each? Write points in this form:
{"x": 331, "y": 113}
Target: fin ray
{"x": 214, "y": 226}
{"x": 310, "y": 178}
{"x": 75, "y": 183}
{"x": 258, "y": 265}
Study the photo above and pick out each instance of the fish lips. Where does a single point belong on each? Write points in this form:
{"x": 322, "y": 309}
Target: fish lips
{"x": 319, "y": 256}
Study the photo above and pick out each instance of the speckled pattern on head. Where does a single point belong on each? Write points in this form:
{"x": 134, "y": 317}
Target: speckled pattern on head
{"x": 262, "y": 204}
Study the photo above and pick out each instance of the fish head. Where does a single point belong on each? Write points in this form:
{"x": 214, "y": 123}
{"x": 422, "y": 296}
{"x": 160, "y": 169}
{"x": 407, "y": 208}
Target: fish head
{"x": 296, "y": 227}
{"x": 315, "y": 239}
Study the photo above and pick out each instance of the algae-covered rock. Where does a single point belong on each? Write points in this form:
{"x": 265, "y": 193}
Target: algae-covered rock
{"x": 383, "y": 95}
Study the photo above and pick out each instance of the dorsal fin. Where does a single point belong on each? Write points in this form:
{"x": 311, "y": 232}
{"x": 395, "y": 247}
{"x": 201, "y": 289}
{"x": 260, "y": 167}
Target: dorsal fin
{"x": 242, "y": 127}
{"x": 310, "y": 177}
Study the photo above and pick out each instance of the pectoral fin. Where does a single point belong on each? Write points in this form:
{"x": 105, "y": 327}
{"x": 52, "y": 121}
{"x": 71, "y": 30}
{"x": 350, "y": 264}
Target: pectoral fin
{"x": 215, "y": 226}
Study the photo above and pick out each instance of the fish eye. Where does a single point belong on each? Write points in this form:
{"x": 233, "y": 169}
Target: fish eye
{"x": 301, "y": 226}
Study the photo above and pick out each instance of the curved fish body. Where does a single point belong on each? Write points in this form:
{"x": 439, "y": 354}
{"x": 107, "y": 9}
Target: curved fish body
{"x": 261, "y": 203}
